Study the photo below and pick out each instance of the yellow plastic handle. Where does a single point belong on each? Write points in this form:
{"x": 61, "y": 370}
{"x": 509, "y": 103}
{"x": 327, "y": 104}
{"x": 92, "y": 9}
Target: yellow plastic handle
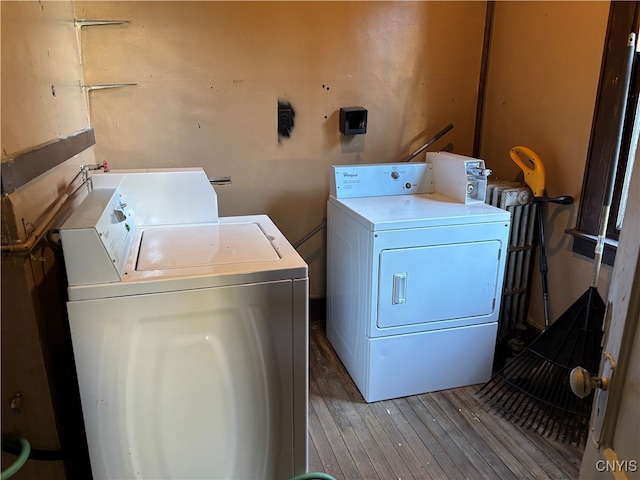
{"x": 533, "y": 171}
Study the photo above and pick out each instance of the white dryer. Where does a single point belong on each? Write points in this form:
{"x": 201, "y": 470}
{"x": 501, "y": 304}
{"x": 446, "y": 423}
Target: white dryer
{"x": 189, "y": 332}
{"x": 414, "y": 278}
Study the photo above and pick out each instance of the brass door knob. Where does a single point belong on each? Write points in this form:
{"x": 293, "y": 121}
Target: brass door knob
{"x": 582, "y": 382}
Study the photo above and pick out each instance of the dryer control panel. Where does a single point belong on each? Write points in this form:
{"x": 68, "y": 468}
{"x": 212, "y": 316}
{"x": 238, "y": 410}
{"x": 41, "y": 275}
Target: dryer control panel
{"x": 376, "y": 180}
{"x": 463, "y": 179}
{"x": 459, "y": 177}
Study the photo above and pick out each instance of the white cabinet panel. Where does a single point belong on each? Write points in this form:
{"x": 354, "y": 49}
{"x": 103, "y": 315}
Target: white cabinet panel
{"x": 421, "y": 362}
{"x": 192, "y": 384}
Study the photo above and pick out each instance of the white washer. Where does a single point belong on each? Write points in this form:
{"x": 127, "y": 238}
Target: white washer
{"x": 414, "y": 280}
{"x": 189, "y": 332}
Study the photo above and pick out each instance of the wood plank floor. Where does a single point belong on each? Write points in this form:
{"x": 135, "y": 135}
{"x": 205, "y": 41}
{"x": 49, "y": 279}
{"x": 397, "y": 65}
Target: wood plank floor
{"x": 441, "y": 435}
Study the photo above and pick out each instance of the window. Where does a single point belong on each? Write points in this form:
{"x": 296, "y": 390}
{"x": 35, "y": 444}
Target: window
{"x": 623, "y": 19}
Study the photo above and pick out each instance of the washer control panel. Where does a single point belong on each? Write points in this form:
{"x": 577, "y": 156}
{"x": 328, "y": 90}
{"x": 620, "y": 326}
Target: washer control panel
{"x": 99, "y": 233}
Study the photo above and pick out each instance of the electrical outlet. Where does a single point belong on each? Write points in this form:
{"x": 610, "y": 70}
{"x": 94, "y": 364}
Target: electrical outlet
{"x": 285, "y": 119}
{"x": 353, "y": 120}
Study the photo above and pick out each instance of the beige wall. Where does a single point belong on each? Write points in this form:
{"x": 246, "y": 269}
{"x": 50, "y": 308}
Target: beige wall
{"x": 209, "y": 76}
{"x": 39, "y": 57}
{"x": 42, "y": 98}
{"x": 542, "y": 81}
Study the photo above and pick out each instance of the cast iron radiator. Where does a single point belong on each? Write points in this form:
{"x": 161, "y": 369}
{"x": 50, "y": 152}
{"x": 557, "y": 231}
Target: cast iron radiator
{"x": 516, "y": 198}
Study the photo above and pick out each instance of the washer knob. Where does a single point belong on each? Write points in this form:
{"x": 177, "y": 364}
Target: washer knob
{"x": 395, "y": 175}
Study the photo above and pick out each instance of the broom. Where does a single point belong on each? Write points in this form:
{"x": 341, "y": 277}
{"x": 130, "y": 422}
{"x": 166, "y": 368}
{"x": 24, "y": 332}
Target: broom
{"x": 533, "y": 390}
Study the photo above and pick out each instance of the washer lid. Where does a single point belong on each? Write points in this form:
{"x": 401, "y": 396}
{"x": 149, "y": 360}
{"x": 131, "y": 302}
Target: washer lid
{"x": 234, "y": 251}
{"x": 164, "y": 248}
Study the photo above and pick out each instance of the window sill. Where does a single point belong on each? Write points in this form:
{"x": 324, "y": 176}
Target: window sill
{"x": 584, "y": 244}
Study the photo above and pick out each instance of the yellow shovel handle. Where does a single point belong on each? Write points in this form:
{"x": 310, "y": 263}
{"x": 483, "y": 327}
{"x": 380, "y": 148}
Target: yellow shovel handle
{"x": 533, "y": 176}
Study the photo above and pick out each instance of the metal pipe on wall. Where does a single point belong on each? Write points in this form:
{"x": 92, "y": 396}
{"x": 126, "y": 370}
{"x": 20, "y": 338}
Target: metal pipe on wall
{"x": 68, "y": 195}
{"x": 486, "y": 48}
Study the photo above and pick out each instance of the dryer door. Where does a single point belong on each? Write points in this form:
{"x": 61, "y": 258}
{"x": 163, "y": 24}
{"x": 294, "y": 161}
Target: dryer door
{"x": 453, "y": 283}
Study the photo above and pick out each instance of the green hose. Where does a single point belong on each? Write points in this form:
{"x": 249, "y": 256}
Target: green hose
{"x": 12, "y": 469}
{"x": 313, "y": 476}
{"x": 26, "y": 449}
